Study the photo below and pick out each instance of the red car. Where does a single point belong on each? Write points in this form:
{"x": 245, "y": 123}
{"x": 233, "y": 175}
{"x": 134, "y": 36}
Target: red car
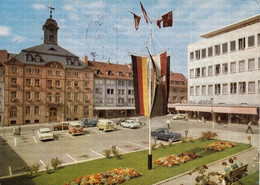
{"x": 61, "y": 126}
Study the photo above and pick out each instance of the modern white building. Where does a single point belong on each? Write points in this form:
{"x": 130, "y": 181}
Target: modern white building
{"x": 224, "y": 74}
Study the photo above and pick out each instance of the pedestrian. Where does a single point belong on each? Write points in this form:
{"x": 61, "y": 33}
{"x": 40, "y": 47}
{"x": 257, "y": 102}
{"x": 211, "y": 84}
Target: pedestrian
{"x": 249, "y": 127}
{"x": 232, "y": 164}
{"x": 19, "y": 129}
{"x": 219, "y": 120}
{"x": 203, "y": 119}
{"x": 168, "y": 123}
{"x": 239, "y": 163}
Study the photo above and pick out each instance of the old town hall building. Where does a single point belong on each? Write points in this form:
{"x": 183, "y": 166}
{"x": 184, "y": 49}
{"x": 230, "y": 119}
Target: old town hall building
{"x": 47, "y": 83}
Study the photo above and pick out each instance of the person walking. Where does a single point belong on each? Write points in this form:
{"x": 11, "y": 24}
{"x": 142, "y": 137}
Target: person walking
{"x": 249, "y": 127}
{"x": 168, "y": 123}
{"x": 219, "y": 120}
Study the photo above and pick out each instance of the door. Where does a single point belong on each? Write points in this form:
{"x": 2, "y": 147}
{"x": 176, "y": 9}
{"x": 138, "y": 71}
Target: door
{"x": 53, "y": 114}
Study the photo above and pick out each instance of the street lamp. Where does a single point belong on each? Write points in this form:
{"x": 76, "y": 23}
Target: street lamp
{"x": 213, "y": 124}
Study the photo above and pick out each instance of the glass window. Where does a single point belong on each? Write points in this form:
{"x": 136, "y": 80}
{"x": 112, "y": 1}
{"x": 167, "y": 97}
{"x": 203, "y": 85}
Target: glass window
{"x": 28, "y": 81}
{"x": 49, "y": 97}
{"x": 210, "y": 51}
{"x": 36, "y": 82}
{"x": 76, "y": 74}
{"x": 49, "y": 72}
{"x": 13, "y": 95}
{"x": 233, "y": 45}
{"x": 57, "y": 97}
{"x": 203, "y": 90}
{"x": 27, "y": 110}
{"x": 225, "y": 89}
{"x": 203, "y": 53}
{"x": 14, "y": 69}
{"x": 251, "y": 41}
{"x": 197, "y": 90}
{"x": 87, "y": 75}
{"x": 191, "y": 90}
{"x": 217, "y": 89}
{"x": 251, "y": 64}
{"x": 251, "y": 87}
{"x": 36, "y": 95}
{"x": 242, "y": 65}
{"x": 28, "y": 95}
{"x": 36, "y": 110}
{"x": 210, "y": 70}
{"x": 76, "y": 84}
{"x": 197, "y": 72}
{"x": 259, "y": 63}
{"x": 241, "y": 43}
{"x": 68, "y": 96}
{"x": 233, "y": 88}
{"x": 197, "y": 53}
{"x": 57, "y": 73}
{"x": 210, "y": 89}
{"x": 224, "y": 48}
{"x": 224, "y": 68}
{"x": 192, "y": 73}
{"x": 217, "y": 69}
{"x": 233, "y": 67}
{"x": 217, "y": 49}
{"x": 191, "y": 55}
{"x": 57, "y": 83}
{"x": 37, "y": 71}
{"x": 258, "y": 86}
{"x": 203, "y": 71}
{"x": 110, "y": 82}
{"x": 258, "y": 39}
{"x": 242, "y": 87}
{"x": 76, "y": 96}
{"x": 13, "y": 112}
{"x": 76, "y": 109}
{"x": 28, "y": 70}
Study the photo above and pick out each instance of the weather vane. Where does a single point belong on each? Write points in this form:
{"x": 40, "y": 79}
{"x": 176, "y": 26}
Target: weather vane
{"x": 51, "y": 8}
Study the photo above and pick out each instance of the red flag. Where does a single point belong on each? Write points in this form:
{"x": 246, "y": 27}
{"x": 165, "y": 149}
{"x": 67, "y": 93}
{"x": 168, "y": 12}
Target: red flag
{"x": 167, "y": 19}
{"x": 137, "y": 21}
{"x": 159, "y": 23}
{"x": 144, "y": 12}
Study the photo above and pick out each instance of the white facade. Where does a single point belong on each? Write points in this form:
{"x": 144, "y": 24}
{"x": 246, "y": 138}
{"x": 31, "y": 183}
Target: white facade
{"x": 231, "y": 76}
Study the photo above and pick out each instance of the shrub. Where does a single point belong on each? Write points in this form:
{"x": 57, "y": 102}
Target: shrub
{"x": 107, "y": 153}
{"x": 33, "y": 169}
{"x": 208, "y": 135}
{"x": 55, "y": 162}
{"x": 191, "y": 140}
{"x": 48, "y": 169}
{"x": 183, "y": 140}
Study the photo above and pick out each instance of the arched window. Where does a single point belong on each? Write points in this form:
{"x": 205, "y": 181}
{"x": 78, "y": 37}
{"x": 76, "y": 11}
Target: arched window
{"x": 57, "y": 97}
{"x": 51, "y": 38}
{"x": 13, "y": 112}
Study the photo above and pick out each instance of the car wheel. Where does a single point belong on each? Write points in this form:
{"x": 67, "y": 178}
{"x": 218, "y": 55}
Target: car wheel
{"x": 170, "y": 140}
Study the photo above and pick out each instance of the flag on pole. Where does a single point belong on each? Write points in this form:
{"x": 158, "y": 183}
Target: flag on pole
{"x": 137, "y": 21}
{"x": 144, "y": 12}
{"x": 167, "y": 19}
{"x": 159, "y": 23}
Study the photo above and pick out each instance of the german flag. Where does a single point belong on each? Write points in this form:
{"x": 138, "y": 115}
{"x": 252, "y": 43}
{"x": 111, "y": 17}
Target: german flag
{"x": 140, "y": 77}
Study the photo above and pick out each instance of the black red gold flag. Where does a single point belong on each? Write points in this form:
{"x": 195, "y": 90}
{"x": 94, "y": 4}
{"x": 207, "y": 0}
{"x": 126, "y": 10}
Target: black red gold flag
{"x": 167, "y": 19}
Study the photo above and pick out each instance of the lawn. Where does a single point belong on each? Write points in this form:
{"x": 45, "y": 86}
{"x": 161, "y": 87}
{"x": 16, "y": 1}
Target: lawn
{"x": 252, "y": 179}
{"x": 138, "y": 161}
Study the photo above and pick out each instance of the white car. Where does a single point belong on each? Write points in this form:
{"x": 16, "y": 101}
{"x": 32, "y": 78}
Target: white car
{"x": 178, "y": 116}
{"x": 130, "y": 124}
{"x": 45, "y": 134}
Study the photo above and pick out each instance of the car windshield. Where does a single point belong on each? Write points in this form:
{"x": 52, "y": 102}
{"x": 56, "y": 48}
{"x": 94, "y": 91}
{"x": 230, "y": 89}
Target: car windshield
{"x": 77, "y": 126}
{"x": 46, "y": 132}
{"x": 167, "y": 131}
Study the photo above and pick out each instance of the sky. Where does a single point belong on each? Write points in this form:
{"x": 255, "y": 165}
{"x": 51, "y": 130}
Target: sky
{"x": 104, "y": 29}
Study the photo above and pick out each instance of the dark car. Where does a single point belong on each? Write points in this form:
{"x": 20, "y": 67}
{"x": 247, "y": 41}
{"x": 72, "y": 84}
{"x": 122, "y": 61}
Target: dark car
{"x": 61, "y": 126}
{"x": 89, "y": 122}
{"x": 166, "y": 135}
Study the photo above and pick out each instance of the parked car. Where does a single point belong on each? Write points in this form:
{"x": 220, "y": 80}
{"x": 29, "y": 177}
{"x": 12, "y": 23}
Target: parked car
{"x": 75, "y": 128}
{"x": 121, "y": 120}
{"x": 105, "y": 124}
{"x": 89, "y": 122}
{"x": 45, "y": 134}
{"x": 61, "y": 126}
{"x": 179, "y": 116}
{"x": 130, "y": 124}
{"x": 166, "y": 135}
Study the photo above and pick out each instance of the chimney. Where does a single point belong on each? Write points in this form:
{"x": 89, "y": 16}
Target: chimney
{"x": 3, "y": 56}
{"x": 85, "y": 60}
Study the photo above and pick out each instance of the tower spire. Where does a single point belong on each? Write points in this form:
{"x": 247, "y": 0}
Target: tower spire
{"x": 51, "y": 8}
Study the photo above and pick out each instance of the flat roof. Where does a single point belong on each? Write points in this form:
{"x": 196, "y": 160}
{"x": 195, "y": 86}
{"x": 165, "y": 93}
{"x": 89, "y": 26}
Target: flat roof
{"x": 231, "y": 27}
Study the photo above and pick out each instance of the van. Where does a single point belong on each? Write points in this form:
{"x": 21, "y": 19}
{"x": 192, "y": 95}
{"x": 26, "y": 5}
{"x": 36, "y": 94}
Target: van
{"x": 105, "y": 124}
{"x": 75, "y": 128}
{"x": 89, "y": 122}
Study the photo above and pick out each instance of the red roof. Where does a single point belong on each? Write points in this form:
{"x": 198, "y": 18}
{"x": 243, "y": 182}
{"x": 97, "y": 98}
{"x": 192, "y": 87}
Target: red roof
{"x": 177, "y": 77}
{"x": 117, "y": 71}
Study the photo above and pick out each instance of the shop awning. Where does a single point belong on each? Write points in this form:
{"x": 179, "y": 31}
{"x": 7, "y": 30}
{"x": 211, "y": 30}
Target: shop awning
{"x": 218, "y": 109}
{"x": 114, "y": 108}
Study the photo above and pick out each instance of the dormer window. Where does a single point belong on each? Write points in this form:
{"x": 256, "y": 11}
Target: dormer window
{"x": 76, "y": 63}
{"x": 109, "y": 73}
{"x": 130, "y": 74}
{"x": 98, "y": 72}
{"x": 29, "y": 57}
{"x": 37, "y": 58}
{"x": 68, "y": 61}
{"x": 120, "y": 73}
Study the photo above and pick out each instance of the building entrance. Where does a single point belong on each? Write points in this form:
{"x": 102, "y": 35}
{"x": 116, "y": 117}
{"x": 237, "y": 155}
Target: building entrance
{"x": 53, "y": 114}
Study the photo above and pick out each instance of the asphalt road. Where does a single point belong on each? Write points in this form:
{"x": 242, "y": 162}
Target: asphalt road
{"x": 18, "y": 152}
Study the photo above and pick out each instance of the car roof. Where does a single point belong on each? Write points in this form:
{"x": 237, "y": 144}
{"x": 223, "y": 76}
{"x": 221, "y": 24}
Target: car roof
{"x": 44, "y": 129}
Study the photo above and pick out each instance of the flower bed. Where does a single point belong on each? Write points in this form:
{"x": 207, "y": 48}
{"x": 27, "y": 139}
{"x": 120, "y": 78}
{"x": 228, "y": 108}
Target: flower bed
{"x": 116, "y": 176}
{"x": 173, "y": 160}
{"x": 219, "y": 146}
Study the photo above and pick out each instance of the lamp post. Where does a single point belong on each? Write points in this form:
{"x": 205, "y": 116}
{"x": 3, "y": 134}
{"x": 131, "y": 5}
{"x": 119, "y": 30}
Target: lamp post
{"x": 213, "y": 123}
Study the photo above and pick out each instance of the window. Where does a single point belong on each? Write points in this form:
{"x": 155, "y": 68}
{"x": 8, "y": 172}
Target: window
{"x": 76, "y": 84}
{"x": 76, "y": 74}
{"x": 233, "y": 67}
{"x": 224, "y": 68}
{"x": 86, "y": 111}
{"x": 37, "y": 58}
{"x": 68, "y": 96}
{"x": 109, "y": 73}
{"x": 224, "y": 48}
{"x": 98, "y": 72}
{"x": 99, "y": 81}
{"x": 191, "y": 55}
{"x": 251, "y": 41}
{"x": 121, "y": 82}
{"x": 68, "y": 83}
{"x": 130, "y": 74}
{"x": 258, "y": 39}
{"x": 28, "y": 82}
{"x": 28, "y": 95}
{"x": 251, "y": 64}
{"x": 259, "y": 63}
{"x": 57, "y": 73}
{"x": 233, "y": 88}
{"x": 110, "y": 82}
{"x": 110, "y": 100}
{"x": 242, "y": 87}
{"x": 217, "y": 49}
{"x": 14, "y": 69}
{"x": 36, "y": 110}
{"x": 217, "y": 69}
{"x": 28, "y": 70}
{"x": 258, "y": 86}
{"x": 57, "y": 97}
{"x": 28, "y": 110}
{"x": 241, "y": 43}
{"x": 197, "y": 73}
{"x": 120, "y": 73}
{"x": 192, "y": 73}
{"x": 121, "y": 100}
{"x": 210, "y": 90}
{"x": 203, "y": 90}
{"x": 98, "y": 90}
{"x": 37, "y": 71}
{"x": 13, "y": 80}
{"x": 217, "y": 89}
{"x": 57, "y": 83}
{"x": 86, "y": 84}
{"x": 87, "y": 75}
{"x": 120, "y": 91}
{"x": 36, "y": 82}
{"x": 242, "y": 66}
{"x": 203, "y": 53}
{"x": 197, "y": 90}
{"x": 225, "y": 89}
{"x": 13, "y": 95}
{"x": 191, "y": 90}
{"x": 197, "y": 53}
{"x": 210, "y": 70}
{"x": 49, "y": 97}
{"x": 69, "y": 74}
{"x": 49, "y": 82}
{"x": 36, "y": 95}
{"x": 251, "y": 87}
{"x": 210, "y": 52}
{"x": 29, "y": 57}
{"x": 13, "y": 112}
{"x": 98, "y": 100}
{"x": 49, "y": 72}
{"x": 130, "y": 92}
{"x": 203, "y": 70}
{"x": 233, "y": 45}
{"x": 76, "y": 96}
{"x": 76, "y": 109}
{"x": 131, "y": 100}
{"x": 110, "y": 91}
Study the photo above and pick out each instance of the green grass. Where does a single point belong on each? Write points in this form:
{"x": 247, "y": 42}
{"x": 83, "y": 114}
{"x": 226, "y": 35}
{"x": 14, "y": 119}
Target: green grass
{"x": 138, "y": 161}
{"x": 252, "y": 179}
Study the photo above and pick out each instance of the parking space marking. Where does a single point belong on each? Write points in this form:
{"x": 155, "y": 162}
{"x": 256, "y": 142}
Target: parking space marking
{"x": 42, "y": 163}
{"x": 15, "y": 141}
{"x": 71, "y": 158}
{"x": 96, "y": 153}
{"x": 35, "y": 139}
{"x": 137, "y": 145}
{"x": 122, "y": 150}
{"x": 69, "y": 135}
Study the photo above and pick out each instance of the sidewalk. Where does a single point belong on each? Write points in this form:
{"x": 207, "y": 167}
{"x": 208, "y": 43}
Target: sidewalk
{"x": 245, "y": 156}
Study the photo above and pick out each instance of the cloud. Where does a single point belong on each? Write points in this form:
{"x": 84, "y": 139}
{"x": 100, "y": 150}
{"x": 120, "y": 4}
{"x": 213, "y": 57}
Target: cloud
{"x": 18, "y": 38}
{"x": 69, "y": 8}
{"x": 39, "y": 6}
{"x": 4, "y": 31}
